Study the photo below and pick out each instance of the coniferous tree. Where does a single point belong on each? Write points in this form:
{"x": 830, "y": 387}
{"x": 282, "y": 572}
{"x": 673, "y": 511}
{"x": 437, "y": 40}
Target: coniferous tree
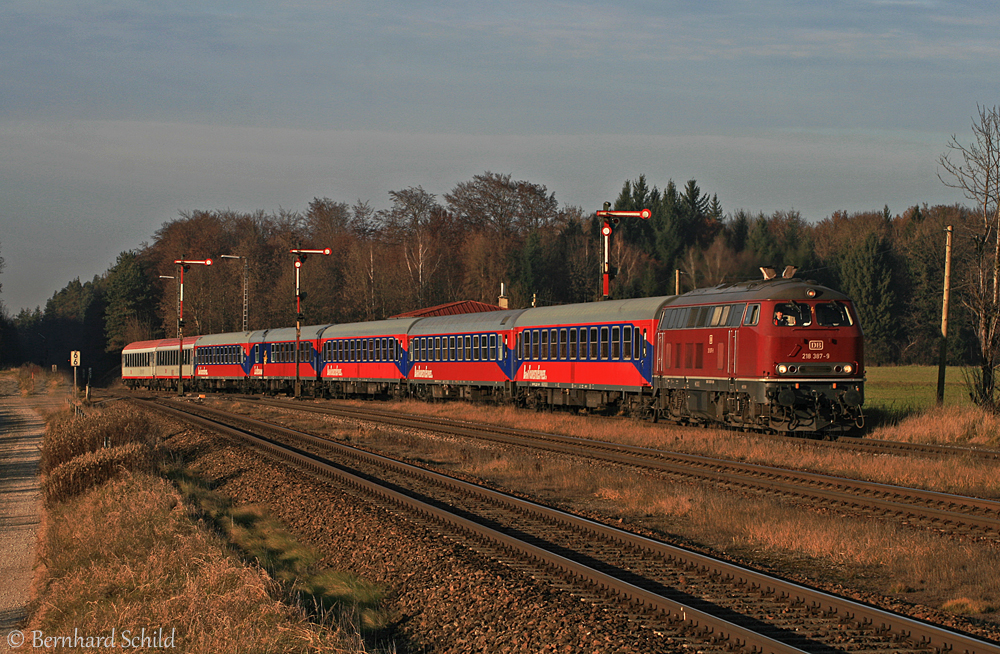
{"x": 130, "y": 303}
{"x": 867, "y": 276}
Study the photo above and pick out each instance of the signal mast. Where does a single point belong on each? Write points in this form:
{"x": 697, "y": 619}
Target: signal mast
{"x": 611, "y": 220}
{"x": 300, "y": 257}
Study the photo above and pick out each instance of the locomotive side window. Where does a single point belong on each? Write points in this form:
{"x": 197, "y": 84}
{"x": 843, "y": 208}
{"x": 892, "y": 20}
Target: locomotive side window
{"x": 720, "y": 315}
{"x": 493, "y": 347}
{"x": 736, "y": 315}
{"x": 752, "y": 316}
{"x": 832, "y": 314}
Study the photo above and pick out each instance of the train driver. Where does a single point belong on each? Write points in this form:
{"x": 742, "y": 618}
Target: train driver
{"x": 782, "y": 318}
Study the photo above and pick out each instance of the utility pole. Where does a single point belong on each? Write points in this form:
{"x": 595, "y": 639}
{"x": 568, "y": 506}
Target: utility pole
{"x": 611, "y": 220}
{"x": 943, "y": 358}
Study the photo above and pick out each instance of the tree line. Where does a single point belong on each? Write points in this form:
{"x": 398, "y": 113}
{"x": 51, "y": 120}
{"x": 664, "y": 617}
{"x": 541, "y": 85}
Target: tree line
{"x": 426, "y": 250}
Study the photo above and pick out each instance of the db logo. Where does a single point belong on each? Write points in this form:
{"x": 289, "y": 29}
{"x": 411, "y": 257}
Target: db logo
{"x": 815, "y": 345}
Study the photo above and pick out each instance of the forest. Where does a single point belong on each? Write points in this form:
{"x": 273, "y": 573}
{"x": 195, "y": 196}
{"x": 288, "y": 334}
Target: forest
{"x": 426, "y": 250}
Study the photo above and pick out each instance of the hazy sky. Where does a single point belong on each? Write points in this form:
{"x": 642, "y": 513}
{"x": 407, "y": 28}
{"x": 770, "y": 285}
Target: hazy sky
{"x": 116, "y": 115}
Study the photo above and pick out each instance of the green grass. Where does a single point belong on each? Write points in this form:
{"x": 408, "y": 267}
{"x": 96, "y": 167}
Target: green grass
{"x": 263, "y": 539}
{"x": 914, "y": 386}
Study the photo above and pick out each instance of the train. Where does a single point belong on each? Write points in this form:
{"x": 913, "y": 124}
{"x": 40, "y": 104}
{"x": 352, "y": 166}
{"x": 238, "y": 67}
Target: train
{"x": 779, "y": 355}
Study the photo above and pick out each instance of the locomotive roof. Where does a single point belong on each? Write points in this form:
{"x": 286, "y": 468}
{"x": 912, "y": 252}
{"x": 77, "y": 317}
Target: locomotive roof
{"x": 389, "y": 327}
{"x": 772, "y": 289}
{"x": 643, "y": 308}
{"x": 487, "y": 321}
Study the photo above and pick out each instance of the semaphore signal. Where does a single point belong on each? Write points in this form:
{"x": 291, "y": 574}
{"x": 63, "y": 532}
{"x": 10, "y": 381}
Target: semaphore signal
{"x": 611, "y": 220}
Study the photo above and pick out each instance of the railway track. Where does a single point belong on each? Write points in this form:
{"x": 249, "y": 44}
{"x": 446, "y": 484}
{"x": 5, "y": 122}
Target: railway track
{"x": 720, "y": 602}
{"x": 958, "y": 514}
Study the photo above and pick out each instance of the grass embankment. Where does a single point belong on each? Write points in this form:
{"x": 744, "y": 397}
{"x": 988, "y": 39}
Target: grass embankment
{"x": 124, "y": 549}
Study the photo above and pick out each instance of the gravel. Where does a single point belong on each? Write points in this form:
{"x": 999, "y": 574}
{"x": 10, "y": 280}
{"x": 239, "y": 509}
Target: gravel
{"x": 446, "y": 597}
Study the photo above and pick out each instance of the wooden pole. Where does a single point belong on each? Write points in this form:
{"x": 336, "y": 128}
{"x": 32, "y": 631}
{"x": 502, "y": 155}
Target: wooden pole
{"x": 943, "y": 357}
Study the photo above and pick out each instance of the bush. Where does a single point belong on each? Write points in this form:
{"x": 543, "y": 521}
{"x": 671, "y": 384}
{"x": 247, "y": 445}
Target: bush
{"x": 93, "y": 468}
{"x": 66, "y": 439}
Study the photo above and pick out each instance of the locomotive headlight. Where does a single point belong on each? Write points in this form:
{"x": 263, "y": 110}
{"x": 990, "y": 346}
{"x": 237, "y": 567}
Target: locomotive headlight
{"x": 848, "y": 368}
{"x": 782, "y": 369}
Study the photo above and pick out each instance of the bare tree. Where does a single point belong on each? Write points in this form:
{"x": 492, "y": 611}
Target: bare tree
{"x": 975, "y": 169}
{"x": 410, "y": 222}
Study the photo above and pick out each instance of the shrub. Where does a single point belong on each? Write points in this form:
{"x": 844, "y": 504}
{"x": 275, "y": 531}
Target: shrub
{"x": 93, "y": 468}
{"x": 117, "y": 425}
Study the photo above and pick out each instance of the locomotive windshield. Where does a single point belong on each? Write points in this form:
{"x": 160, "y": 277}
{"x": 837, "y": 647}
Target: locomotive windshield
{"x": 832, "y": 314}
{"x": 792, "y": 314}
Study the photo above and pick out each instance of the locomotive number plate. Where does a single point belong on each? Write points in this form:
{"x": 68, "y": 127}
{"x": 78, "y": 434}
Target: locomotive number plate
{"x": 815, "y": 345}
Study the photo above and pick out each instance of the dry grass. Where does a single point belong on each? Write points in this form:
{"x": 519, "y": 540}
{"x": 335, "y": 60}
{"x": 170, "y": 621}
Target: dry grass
{"x": 68, "y": 437}
{"x": 126, "y": 557}
{"x": 949, "y": 425}
{"x": 121, "y": 551}
{"x": 94, "y": 468}
{"x": 961, "y": 476}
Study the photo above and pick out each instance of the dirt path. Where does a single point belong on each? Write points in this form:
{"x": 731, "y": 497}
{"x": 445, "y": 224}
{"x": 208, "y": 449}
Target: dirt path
{"x": 21, "y": 429}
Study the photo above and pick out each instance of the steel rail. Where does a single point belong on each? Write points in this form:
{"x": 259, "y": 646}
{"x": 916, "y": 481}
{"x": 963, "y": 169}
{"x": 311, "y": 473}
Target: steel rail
{"x": 916, "y": 631}
{"x": 897, "y": 500}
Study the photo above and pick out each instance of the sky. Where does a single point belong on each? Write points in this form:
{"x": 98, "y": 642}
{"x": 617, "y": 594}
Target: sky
{"x": 118, "y": 115}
